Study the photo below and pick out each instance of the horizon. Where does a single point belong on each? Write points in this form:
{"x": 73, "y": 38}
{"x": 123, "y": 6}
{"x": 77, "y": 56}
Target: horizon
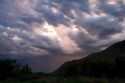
{"x": 46, "y": 33}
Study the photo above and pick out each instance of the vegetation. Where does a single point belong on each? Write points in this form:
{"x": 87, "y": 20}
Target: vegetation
{"x": 9, "y": 69}
{"x": 109, "y": 63}
{"x": 102, "y": 67}
{"x": 96, "y": 69}
{"x": 67, "y": 80}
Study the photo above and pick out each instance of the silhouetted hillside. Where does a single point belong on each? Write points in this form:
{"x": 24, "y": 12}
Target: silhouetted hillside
{"x": 107, "y": 63}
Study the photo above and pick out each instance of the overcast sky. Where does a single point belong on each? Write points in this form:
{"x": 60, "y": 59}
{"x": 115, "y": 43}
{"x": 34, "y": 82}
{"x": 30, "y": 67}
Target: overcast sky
{"x": 46, "y": 33}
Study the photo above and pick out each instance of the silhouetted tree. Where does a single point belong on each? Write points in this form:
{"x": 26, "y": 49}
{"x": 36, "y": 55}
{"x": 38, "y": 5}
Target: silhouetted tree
{"x": 119, "y": 68}
{"x": 10, "y": 69}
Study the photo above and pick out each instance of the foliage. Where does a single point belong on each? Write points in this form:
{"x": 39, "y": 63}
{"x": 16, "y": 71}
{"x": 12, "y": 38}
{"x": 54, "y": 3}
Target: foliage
{"x": 9, "y": 69}
{"x": 96, "y": 69}
{"x": 67, "y": 80}
{"x": 108, "y": 63}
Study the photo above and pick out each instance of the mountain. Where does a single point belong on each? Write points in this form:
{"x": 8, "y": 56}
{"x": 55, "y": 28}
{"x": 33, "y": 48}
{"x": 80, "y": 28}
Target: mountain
{"x": 109, "y": 62}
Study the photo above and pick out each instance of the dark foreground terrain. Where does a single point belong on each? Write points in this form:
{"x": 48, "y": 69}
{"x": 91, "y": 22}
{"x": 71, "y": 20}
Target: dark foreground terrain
{"x": 107, "y": 66}
{"x": 67, "y": 80}
{"x": 108, "y": 63}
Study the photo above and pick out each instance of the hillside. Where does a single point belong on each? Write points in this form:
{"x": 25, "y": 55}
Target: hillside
{"x": 109, "y": 62}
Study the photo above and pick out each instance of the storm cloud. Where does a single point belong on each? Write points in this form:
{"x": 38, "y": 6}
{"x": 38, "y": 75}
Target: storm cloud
{"x": 45, "y": 32}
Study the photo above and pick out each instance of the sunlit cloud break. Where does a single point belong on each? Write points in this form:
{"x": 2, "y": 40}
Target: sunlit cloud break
{"x": 46, "y": 31}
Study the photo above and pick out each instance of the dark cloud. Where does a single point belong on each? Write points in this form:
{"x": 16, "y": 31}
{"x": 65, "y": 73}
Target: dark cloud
{"x": 48, "y": 63}
{"x": 43, "y": 31}
{"x": 20, "y": 41}
{"x": 103, "y": 26}
{"x": 116, "y": 9}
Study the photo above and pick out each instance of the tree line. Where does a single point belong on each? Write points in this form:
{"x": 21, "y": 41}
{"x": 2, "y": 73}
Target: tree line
{"x": 10, "y": 69}
{"x": 108, "y": 69}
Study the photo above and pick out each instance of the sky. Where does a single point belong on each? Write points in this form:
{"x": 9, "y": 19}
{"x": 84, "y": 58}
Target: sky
{"x": 46, "y": 33}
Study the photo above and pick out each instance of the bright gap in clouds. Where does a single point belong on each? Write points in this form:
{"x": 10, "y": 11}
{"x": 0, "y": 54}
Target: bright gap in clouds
{"x": 60, "y": 35}
{"x": 46, "y": 30}
{"x": 53, "y": 30}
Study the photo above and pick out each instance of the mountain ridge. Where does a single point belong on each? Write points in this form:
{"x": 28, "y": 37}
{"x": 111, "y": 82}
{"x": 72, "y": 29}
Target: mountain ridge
{"x": 105, "y": 58}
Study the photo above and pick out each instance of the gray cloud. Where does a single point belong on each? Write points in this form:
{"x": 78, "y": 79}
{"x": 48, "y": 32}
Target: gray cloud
{"x": 103, "y": 26}
{"x": 116, "y": 9}
{"x": 51, "y": 28}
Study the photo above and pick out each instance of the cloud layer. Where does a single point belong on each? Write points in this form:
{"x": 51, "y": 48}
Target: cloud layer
{"x": 47, "y": 32}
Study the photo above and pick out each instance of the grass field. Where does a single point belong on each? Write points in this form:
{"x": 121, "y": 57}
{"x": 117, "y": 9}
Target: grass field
{"x": 67, "y": 80}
